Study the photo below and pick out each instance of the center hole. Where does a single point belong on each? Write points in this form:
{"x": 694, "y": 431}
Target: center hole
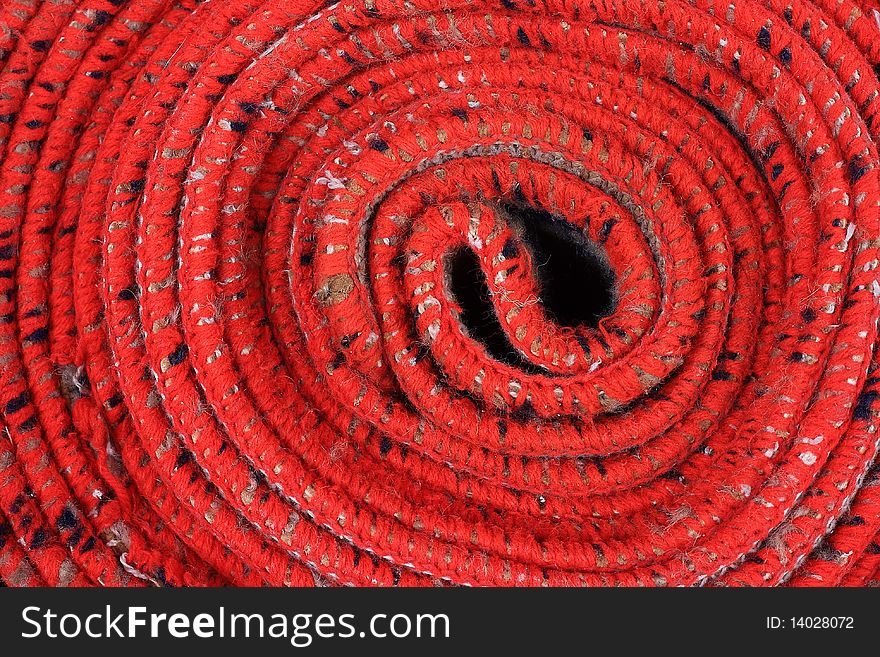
{"x": 576, "y": 284}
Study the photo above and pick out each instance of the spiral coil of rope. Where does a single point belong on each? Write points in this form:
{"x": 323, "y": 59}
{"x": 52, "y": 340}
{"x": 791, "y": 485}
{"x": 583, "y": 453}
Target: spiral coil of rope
{"x": 236, "y": 349}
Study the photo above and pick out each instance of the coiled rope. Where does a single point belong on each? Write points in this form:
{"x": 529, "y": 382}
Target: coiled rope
{"x": 278, "y": 306}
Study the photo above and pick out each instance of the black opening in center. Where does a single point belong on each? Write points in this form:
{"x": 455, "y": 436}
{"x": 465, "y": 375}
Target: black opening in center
{"x": 575, "y": 282}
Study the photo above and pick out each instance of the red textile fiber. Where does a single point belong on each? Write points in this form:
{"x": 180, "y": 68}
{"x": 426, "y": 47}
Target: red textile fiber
{"x": 231, "y": 349}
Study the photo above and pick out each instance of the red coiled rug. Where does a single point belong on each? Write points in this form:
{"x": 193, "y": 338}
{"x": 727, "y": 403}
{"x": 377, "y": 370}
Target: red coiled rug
{"x": 408, "y": 292}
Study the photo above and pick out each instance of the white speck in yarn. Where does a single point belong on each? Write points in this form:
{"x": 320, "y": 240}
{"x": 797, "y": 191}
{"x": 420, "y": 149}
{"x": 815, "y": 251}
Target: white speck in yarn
{"x": 330, "y": 180}
{"x": 850, "y": 231}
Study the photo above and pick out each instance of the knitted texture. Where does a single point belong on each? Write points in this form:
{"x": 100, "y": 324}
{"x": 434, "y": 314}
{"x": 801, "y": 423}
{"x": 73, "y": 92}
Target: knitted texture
{"x": 277, "y": 303}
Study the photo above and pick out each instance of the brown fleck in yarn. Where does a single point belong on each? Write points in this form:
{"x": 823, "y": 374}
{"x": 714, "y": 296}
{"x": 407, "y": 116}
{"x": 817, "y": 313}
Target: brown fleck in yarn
{"x": 488, "y": 292}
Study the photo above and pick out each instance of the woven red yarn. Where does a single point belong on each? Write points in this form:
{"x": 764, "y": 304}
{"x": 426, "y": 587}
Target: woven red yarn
{"x": 229, "y": 350}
